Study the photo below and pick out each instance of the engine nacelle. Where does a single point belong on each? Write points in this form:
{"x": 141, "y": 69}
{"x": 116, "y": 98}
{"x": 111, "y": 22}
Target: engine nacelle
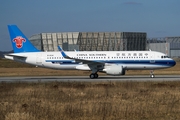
{"x": 115, "y": 70}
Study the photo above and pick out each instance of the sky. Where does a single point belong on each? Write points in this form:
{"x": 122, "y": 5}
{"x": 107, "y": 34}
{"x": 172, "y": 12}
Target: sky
{"x": 158, "y": 18}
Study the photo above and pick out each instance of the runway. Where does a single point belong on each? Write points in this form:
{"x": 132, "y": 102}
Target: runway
{"x": 87, "y": 79}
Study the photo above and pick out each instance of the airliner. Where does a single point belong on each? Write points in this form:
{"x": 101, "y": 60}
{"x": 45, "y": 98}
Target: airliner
{"x": 110, "y": 62}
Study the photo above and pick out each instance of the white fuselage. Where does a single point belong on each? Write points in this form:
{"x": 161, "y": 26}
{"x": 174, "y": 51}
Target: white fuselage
{"x": 129, "y": 60}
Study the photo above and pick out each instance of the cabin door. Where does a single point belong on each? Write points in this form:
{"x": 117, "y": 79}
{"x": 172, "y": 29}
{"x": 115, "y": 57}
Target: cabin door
{"x": 39, "y": 59}
{"x": 152, "y": 59}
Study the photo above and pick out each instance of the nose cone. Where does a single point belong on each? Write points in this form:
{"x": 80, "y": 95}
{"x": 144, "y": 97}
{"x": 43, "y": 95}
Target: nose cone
{"x": 172, "y": 63}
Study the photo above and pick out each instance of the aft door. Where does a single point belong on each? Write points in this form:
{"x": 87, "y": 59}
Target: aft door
{"x": 39, "y": 59}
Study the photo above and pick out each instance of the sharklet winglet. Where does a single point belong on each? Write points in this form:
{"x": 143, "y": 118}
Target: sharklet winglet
{"x": 63, "y": 53}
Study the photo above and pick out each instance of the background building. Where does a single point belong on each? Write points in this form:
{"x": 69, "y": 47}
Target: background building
{"x": 90, "y": 41}
{"x": 106, "y": 41}
{"x": 50, "y": 41}
{"x": 111, "y": 41}
{"x": 167, "y": 45}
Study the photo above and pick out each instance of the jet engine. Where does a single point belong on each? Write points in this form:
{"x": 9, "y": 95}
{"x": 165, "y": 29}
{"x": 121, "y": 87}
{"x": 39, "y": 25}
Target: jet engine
{"x": 115, "y": 70}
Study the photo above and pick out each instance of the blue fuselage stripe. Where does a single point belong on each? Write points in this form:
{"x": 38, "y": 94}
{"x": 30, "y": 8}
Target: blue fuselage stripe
{"x": 149, "y": 62}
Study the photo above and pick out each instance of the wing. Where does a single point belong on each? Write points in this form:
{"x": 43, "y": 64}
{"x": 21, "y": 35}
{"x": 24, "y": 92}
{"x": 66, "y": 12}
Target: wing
{"x": 93, "y": 65}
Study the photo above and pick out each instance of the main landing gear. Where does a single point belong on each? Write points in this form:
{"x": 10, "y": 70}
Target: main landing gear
{"x": 93, "y": 75}
{"x": 152, "y": 74}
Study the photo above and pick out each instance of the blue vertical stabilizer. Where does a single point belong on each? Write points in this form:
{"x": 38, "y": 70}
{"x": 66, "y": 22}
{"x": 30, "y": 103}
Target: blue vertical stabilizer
{"x": 20, "y": 42}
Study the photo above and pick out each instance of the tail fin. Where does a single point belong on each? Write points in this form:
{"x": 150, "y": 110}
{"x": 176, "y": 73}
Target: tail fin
{"x": 19, "y": 41}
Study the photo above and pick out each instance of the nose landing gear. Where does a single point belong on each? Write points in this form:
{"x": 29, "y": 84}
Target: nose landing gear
{"x": 152, "y": 74}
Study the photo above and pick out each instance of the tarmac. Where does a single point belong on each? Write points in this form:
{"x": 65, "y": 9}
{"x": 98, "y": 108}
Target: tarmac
{"x": 87, "y": 79}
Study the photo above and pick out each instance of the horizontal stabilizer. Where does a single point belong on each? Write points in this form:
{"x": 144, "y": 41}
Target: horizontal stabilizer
{"x": 14, "y": 55}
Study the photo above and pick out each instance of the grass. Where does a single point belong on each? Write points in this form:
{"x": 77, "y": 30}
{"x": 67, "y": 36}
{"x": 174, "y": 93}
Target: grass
{"x": 126, "y": 100}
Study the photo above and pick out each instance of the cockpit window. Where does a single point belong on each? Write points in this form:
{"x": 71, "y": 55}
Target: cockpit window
{"x": 164, "y": 56}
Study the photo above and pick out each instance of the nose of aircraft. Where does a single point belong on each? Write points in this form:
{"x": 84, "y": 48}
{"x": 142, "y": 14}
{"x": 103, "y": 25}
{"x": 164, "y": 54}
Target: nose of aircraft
{"x": 173, "y": 62}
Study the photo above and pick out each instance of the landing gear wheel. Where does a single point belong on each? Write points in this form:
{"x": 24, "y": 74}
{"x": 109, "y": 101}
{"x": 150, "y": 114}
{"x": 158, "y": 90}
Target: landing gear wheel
{"x": 96, "y": 75}
{"x": 152, "y": 76}
{"x": 92, "y": 76}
